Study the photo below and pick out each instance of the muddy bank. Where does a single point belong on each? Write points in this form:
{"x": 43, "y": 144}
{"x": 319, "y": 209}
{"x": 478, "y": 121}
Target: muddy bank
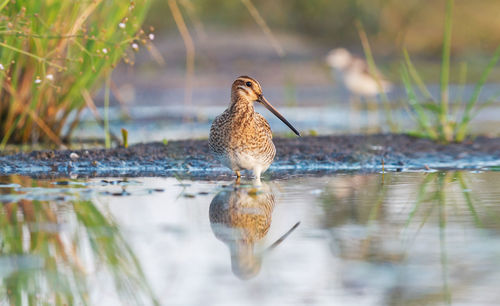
{"x": 295, "y": 156}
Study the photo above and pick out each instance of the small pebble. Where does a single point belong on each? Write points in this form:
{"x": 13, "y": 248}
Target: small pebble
{"x": 120, "y": 194}
{"x": 376, "y": 148}
{"x": 74, "y": 156}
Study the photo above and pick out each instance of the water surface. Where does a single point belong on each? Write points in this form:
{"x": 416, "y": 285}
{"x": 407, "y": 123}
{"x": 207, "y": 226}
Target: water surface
{"x": 161, "y": 114}
{"x": 346, "y": 239}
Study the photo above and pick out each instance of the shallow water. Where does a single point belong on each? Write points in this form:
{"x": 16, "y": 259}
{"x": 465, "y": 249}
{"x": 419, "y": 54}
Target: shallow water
{"x": 372, "y": 239}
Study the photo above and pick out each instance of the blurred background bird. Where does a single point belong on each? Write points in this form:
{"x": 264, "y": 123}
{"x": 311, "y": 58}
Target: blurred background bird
{"x": 353, "y": 74}
{"x": 361, "y": 86}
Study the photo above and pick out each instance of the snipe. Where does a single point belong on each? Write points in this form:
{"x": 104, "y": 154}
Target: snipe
{"x": 240, "y": 137}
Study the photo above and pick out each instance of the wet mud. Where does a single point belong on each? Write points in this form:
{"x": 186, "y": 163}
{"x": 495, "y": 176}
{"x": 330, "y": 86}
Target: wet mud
{"x": 295, "y": 156}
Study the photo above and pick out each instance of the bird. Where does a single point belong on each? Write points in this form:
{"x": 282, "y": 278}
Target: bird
{"x": 355, "y": 76}
{"x": 240, "y": 138}
{"x": 240, "y": 217}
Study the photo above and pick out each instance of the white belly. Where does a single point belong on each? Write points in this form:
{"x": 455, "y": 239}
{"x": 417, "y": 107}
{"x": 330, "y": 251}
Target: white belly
{"x": 245, "y": 161}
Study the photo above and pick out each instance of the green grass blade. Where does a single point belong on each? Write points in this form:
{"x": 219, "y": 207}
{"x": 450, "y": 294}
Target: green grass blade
{"x": 462, "y": 82}
{"x": 106, "y": 112}
{"x": 431, "y": 107}
{"x": 372, "y": 67}
{"x": 484, "y": 105}
{"x": 422, "y": 192}
{"x": 468, "y": 199}
{"x": 3, "y": 4}
{"x": 416, "y": 76}
{"x": 466, "y": 118}
{"x": 9, "y": 132}
{"x": 446, "y": 132}
{"x": 38, "y": 58}
{"x": 422, "y": 119}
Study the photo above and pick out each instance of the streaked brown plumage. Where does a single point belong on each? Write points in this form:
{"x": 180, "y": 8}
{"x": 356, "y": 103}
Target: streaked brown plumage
{"x": 240, "y": 218}
{"x": 240, "y": 137}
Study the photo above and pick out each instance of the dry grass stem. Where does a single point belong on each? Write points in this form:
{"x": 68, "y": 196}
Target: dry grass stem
{"x": 263, "y": 25}
{"x": 190, "y": 50}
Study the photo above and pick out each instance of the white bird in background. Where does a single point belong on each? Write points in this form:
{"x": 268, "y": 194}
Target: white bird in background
{"x": 353, "y": 72}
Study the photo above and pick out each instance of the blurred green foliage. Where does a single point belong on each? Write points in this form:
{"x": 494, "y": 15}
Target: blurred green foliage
{"x": 390, "y": 24}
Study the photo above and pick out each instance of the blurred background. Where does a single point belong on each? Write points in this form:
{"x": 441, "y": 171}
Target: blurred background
{"x": 227, "y": 37}
{"x": 287, "y": 55}
{"x": 176, "y": 59}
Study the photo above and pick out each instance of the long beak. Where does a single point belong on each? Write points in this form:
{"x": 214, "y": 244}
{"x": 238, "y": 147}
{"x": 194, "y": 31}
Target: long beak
{"x": 282, "y": 238}
{"x": 276, "y": 113}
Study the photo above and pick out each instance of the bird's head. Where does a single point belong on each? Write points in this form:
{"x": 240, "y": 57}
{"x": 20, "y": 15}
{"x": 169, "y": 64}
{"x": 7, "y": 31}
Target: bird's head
{"x": 247, "y": 89}
{"x": 339, "y": 58}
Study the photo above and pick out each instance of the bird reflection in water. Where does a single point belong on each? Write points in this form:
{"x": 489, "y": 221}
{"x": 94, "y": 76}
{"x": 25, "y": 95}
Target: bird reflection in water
{"x": 240, "y": 217}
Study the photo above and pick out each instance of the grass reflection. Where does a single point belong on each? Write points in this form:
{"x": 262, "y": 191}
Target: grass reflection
{"x": 414, "y": 230}
{"x": 442, "y": 191}
{"x": 355, "y": 203}
{"x": 56, "y": 250}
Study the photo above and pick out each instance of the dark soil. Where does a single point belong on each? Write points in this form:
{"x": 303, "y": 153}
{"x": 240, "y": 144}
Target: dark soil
{"x": 321, "y": 154}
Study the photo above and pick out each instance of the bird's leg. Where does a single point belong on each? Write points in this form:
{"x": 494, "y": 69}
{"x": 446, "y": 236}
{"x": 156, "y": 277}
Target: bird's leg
{"x": 257, "y": 181}
{"x": 238, "y": 177}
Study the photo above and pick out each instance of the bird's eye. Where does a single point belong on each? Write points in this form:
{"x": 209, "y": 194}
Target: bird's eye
{"x": 249, "y": 84}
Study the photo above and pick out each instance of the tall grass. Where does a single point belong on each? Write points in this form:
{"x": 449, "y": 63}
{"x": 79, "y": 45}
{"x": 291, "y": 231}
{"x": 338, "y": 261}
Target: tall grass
{"x": 434, "y": 118}
{"x": 51, "y": 53}
{"x": 372, "y": 69}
